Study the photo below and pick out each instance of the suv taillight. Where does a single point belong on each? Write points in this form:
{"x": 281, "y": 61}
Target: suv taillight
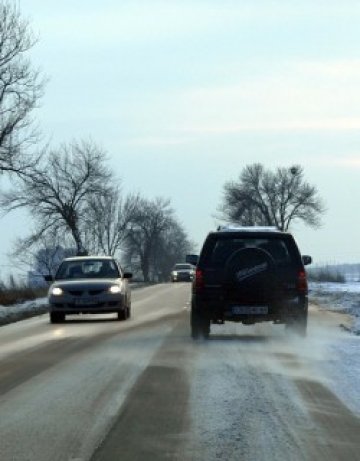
{"x": 199, "y": 279}
{"x": 302, "y": 285}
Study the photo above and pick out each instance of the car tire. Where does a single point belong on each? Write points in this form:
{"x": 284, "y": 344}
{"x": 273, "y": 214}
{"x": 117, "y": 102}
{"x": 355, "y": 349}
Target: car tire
{"x": 122, "y": 315}
{"x": 57, "y": 317}
{"x": 297, "y": 325}
{"x": 200, "y": 325}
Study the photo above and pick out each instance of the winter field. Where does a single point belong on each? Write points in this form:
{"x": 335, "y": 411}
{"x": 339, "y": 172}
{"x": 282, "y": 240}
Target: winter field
{"x": 342, "y": 364}
{"x": 339, "y": 297}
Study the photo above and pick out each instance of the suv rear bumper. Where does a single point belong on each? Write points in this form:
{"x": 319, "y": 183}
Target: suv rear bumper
{"x": 278, "y": 311}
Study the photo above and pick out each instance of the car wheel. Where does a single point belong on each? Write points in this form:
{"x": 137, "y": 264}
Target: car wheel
{"x": 57, "y": 317}
{"x": 200, "y": 325}
{"x": 122, "y": 315}
{"x": 297, "y": 325}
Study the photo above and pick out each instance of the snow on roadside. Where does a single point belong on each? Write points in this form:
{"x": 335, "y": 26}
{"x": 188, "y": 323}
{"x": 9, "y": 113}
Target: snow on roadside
{"x": 339, "y": 297}
{"x": 20, "y": 311}
{"x": 342, "y": 367}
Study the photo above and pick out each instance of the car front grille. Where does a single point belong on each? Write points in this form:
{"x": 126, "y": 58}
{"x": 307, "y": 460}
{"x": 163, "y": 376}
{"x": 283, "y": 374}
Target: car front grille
{"x": 95, "y": 292}
{"x": 81, "y": 292}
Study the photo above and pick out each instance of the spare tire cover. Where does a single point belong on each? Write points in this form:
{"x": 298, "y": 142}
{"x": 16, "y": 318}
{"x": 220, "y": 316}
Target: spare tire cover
{"x": 251, "y": 271}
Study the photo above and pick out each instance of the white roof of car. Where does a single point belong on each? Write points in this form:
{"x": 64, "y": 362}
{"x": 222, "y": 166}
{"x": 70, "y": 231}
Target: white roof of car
{"x": 234, "y": 228}
{"x": 85, "y": 258}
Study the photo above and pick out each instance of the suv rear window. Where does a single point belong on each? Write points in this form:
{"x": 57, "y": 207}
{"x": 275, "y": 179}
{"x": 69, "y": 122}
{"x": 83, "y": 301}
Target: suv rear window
{"x": 219, "y": 249}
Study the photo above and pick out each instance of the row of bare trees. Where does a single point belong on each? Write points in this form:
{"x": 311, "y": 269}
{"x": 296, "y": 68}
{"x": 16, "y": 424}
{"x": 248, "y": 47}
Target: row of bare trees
{"x": 74, "y": 200}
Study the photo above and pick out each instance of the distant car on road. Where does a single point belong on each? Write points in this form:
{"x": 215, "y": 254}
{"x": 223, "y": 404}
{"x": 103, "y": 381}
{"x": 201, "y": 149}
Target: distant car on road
{"x": 182, "y": 272}
{"x": 89, "y": 285}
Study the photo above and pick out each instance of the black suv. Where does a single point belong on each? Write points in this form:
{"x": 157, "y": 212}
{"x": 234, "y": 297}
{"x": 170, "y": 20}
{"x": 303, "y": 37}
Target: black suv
{"x": 249, "y": 275}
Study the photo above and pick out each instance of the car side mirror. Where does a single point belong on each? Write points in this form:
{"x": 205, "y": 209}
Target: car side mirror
{"x": 192, "y": 259}
{"x": 306, "y": 260}
{"x": 48, "y": 278}
{"x": 127, "y": 275}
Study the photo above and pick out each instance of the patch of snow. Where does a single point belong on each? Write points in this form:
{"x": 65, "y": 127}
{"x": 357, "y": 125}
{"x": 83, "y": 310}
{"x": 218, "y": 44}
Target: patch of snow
{"x": 339, "y": 297}
{"x": 343, "y": 370}
{"x": 347, "y": 287}
{"x": 343, "y": 365}
{"x": 15, "y": 312}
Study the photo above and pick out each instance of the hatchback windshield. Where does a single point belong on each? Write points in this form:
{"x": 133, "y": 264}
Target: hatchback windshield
{"x": 179, "y": 267}
{"x": 91, "y": 268}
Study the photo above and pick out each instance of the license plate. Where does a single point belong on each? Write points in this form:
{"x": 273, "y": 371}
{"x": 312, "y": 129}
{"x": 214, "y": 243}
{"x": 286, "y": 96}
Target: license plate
{"x": 85, "y": 302}
{"x": 250, "y": 310}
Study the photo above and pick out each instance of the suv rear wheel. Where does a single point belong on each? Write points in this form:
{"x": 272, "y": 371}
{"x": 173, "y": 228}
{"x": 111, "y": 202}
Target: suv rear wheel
{"x": 200, "y": 324}
{"x": 297, "y": 325}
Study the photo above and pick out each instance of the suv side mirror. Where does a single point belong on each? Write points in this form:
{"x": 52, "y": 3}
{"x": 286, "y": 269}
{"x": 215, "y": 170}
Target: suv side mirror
{"x": 192, "y": 259}
{"x": 127, "y": 275}
{"x": 48, "y": 278}
{"x": 306, "y": 260}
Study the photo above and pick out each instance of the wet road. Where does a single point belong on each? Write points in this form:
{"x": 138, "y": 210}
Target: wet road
{"x": 142, "y": 390}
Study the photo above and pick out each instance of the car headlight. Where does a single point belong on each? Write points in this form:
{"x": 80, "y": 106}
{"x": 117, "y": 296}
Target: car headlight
{"x": 174, "y": 273}
{"x": 57, "y": 291}
{"x": 115, "y": 289}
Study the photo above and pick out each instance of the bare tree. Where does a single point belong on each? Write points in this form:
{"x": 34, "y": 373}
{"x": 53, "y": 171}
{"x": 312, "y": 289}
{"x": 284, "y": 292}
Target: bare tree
{"x": 150, "y": 219}
{"x": 172, "y": 247}
{"x": 21, "y": 88}
{"x": 108, "y": 220}
{"x": 263, "y": 197}
{"x": 44, "y": 256}
{"x": 57, "y": 192}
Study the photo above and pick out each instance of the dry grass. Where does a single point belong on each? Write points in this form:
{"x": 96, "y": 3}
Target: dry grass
{"x": 326, "y": 274}
{"x": 16, "y": 293}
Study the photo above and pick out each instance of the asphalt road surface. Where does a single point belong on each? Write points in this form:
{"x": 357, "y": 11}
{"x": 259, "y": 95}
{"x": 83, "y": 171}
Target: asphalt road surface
{"x": 99, "y": 389}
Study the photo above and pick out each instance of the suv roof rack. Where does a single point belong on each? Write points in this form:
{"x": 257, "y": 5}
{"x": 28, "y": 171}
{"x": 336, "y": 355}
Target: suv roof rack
{"x": 234, "y": 228}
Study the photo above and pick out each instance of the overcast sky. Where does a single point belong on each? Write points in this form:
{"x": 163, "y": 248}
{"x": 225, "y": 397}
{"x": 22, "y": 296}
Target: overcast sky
{"x": 183, "y": 94}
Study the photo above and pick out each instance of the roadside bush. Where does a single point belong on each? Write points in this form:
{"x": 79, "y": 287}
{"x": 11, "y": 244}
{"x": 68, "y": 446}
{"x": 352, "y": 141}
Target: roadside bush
{"x": 325, "y": 274}
{"x": 15, "y": 292}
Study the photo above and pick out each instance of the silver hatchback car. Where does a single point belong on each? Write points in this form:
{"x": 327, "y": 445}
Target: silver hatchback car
{"x": 89, "y": 285}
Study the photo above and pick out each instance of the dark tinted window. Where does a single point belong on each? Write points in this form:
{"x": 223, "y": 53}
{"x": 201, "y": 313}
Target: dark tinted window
{"x": 91, "y": 268}
{"x": 217, "y": 250}
{"x": 179, "y": 267}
